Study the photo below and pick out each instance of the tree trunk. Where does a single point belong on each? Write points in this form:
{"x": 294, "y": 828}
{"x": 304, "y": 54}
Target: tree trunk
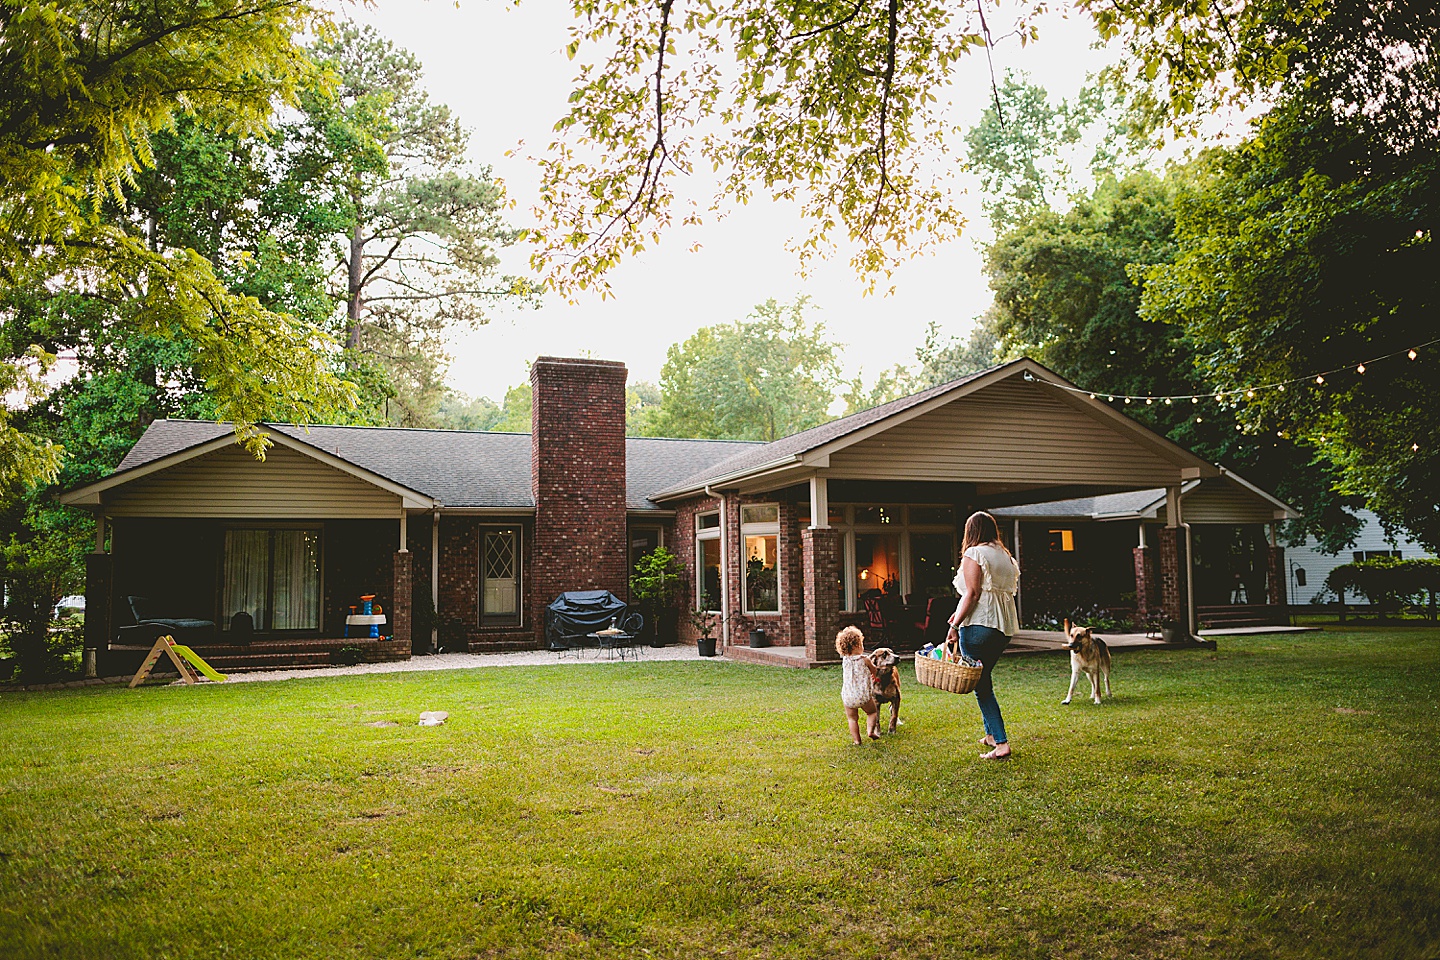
{"x": 353, "y": 290}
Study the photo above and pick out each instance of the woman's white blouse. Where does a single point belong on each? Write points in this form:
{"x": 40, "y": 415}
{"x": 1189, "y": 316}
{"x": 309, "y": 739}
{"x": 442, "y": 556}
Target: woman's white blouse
{"x": 1000, "y": 580}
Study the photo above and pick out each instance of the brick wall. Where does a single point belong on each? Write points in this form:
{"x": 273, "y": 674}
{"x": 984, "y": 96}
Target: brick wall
{"x": 400, "y": 613}
{"x": 459, "y": 607}
{"x": 577, "y": 471}
{"x": 1145, "y": 598}
{"x": 821, "y": 558}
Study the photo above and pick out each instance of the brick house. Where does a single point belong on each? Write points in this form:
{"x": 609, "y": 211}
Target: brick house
{"x": 472, "y": 534}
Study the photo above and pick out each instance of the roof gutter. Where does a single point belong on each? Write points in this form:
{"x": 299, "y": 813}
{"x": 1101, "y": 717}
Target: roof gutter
{"x": 764, "y": 468}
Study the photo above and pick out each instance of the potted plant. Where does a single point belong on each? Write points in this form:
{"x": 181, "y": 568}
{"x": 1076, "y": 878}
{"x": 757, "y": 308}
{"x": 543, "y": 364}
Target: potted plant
{"x": 656, "y": 583}
{"x": 704, "y": 623}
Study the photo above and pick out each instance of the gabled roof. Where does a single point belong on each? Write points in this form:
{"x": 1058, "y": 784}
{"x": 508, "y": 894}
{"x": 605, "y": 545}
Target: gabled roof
{"x": 816, "y": 443}
{"x": 454, "y": 468}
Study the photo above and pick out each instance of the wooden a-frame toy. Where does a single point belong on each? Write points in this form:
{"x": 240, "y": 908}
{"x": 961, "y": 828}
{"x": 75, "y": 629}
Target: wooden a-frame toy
{"x": 186, "y": 661}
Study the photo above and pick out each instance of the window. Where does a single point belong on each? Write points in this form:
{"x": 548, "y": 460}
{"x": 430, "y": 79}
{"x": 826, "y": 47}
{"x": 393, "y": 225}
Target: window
{"x": 932, "y": 564}
{"x": 1362, "y": 555}
{"x": 883, "y": 515}
{"x": 1062, "y": 541}
{"x": 274, "y": 576}
{"x": 499, "y": 576}
{"x": 707, "y": 562}
{"x": 760, "y": 534}
{"x": 877, "y": 563}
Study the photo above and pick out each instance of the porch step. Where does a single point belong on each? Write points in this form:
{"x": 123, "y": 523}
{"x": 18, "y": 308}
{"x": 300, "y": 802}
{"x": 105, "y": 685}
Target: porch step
{"x": 269, "y": 661}
{"x": 1244, "y": 615}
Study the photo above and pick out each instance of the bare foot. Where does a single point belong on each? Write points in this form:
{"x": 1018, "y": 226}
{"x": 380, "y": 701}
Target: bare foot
{"x": 874, "y": 735}
{"x": 986, "y": 741}
{"x": 1001, "y": 752}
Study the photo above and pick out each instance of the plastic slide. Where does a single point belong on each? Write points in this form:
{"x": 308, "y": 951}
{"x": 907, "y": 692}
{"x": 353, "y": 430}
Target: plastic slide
{"x": 209, "y": 672}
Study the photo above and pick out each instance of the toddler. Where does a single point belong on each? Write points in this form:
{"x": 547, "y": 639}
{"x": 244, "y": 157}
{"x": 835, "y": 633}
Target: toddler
{"x": 857, "y": 688}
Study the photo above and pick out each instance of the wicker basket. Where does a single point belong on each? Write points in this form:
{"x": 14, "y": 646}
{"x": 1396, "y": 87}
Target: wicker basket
{"x": 943, "y": 675}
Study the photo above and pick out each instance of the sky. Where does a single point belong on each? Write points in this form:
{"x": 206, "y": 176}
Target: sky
{"x": 502, "y": 69}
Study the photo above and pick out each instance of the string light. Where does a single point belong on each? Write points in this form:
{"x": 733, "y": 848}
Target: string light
{"x": 1360, "y": 369}
{"x": 1412, "y": 354}
{"x": 1320, "y": 379}
{"x": 1415, "y": 448}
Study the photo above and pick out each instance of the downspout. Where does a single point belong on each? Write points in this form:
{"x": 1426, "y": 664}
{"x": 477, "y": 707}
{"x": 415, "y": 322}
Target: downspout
{"x": 724, "y": 570}
{"x": 435, "y": 580}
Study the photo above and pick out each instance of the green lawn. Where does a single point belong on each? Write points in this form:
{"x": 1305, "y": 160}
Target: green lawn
{"x": 1279, "y": 799}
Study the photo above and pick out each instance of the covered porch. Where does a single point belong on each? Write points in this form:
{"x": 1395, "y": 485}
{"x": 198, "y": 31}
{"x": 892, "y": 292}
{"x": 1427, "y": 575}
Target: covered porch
{"x": 795, "y": 537}
{"x": 263, "y": 562}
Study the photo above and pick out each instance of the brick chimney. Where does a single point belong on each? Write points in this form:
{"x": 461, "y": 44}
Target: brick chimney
{"x": 577, "y": 477}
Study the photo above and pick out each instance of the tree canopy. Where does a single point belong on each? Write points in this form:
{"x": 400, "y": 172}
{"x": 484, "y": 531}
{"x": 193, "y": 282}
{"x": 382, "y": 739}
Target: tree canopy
{"x": 767, "y": 376}
{"x": 88, "y": 87}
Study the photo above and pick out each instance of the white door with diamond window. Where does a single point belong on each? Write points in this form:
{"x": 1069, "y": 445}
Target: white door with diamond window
{"x": 500, "y": 576}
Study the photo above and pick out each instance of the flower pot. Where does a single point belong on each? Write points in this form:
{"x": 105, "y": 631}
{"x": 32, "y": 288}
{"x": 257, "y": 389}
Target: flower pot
{"x": 758, "y": 638}
{"x": 1173, "y": 631}
{"x": 706, "y": 646}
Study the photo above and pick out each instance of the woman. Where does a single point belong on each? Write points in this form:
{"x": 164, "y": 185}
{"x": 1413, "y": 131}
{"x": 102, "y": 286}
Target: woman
{"x": 985, "y": 619}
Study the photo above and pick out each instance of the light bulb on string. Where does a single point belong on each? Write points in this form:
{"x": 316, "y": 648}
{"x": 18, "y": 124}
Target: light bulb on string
{"x": 1360, "y": 369}
{"x": 1194, "y": 399}
{"x": 1149, "y": 400}
{"x": 1127, "y": 399}
{"x": 1168, "y": 401}
{"x": 1282, "y": 388}
{"x": 1412, "y": 354}
{"x": 1249, "y": 394}
{"x": 1320, "y": 379}
{"x": 1414, "y": 448}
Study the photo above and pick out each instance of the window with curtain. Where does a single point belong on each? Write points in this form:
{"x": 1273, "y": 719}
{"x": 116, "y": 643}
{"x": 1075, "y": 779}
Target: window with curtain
{"x": 274, "y": 576}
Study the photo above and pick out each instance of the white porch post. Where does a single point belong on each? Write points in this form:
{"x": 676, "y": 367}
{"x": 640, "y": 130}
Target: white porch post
{"x": 819, "y": 503}
{"x": 404, "y": 545}
{"x": 1019, "y": 601}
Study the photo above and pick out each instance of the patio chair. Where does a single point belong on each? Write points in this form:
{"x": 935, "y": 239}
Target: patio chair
{"x": 937, "y": 620}
{"x": 627, "y": 642}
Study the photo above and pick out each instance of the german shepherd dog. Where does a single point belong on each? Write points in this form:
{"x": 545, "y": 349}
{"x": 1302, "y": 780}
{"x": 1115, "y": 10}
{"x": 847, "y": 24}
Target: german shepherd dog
{"x": 1088, "y": 655}
{"x": 887, "y": 682}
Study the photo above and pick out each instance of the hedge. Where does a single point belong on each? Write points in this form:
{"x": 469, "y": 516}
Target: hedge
{"x": 1388, "y": 583}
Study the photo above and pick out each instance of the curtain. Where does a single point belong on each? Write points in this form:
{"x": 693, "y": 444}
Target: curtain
{"x": 247, "y": 562}
{"x": 296, "y": 579}
{"x": 273, "y": 575}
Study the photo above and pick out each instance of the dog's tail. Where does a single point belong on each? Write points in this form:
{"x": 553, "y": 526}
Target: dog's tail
{"x": 1067, "y": 626}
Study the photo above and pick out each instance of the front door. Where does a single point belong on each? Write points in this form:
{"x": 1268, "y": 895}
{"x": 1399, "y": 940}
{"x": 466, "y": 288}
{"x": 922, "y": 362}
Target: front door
{"x": 500, "y": 577}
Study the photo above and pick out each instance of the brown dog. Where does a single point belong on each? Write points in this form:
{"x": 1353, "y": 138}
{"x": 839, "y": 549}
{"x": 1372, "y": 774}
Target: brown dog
{"x": 1088, "y": 655}
{"x": 887, "y": 682}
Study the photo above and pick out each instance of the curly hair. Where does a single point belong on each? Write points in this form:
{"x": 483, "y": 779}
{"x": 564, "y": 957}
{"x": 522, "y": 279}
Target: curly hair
{"x": 849, "y": 641}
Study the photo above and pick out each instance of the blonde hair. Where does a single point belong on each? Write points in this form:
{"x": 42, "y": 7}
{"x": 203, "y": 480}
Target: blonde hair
{"x": 849, "y": 642}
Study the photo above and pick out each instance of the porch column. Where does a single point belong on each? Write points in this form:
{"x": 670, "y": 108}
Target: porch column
{"x": 400, "y": 600}
{"x": 820, "y": 558}
{"x": 1173, "y": 562}
{"x": 1145, "y": 606}
{"x": 819, "y": 503}
{"x": 1275, "y": 572}
{"x": 99, "y": 575}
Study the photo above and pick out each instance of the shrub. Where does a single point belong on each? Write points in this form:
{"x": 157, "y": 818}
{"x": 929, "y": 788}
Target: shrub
{"x": 1388, "y": 583}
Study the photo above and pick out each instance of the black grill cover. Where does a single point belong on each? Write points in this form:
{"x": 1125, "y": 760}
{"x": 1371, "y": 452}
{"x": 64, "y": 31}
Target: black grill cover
{"x": 580, "y": 612}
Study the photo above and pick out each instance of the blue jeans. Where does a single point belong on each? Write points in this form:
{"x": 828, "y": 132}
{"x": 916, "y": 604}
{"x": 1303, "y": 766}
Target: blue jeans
{"x": 986, "y": 644}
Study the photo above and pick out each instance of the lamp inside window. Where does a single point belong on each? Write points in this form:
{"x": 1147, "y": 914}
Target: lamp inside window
{"x": 1062, "y": 541}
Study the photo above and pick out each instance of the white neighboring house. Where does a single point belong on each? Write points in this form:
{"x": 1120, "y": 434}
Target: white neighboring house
{"x": 1307, "y": 568}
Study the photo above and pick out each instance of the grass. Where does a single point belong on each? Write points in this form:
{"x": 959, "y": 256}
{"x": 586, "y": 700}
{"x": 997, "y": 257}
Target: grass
{"x": 1278, "y": 799}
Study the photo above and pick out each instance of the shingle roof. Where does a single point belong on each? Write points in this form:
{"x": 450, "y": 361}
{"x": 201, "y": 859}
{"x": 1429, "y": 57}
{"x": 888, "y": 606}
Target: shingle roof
{"x": 458, "y": 468}
{"x": 796, "y": 444}
{"x": 1107, "y": 505}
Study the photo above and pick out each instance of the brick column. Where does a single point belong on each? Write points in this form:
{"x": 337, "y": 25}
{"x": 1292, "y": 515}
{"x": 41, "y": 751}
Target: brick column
{"x": 401, "y": 598}
{"x": 1275, "y": 576}
{"x": 820, "y": 559}
{"x": 1145, "y": 603}
{"x": 1172, "y": 574}
{"x": 99, "y": 575}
